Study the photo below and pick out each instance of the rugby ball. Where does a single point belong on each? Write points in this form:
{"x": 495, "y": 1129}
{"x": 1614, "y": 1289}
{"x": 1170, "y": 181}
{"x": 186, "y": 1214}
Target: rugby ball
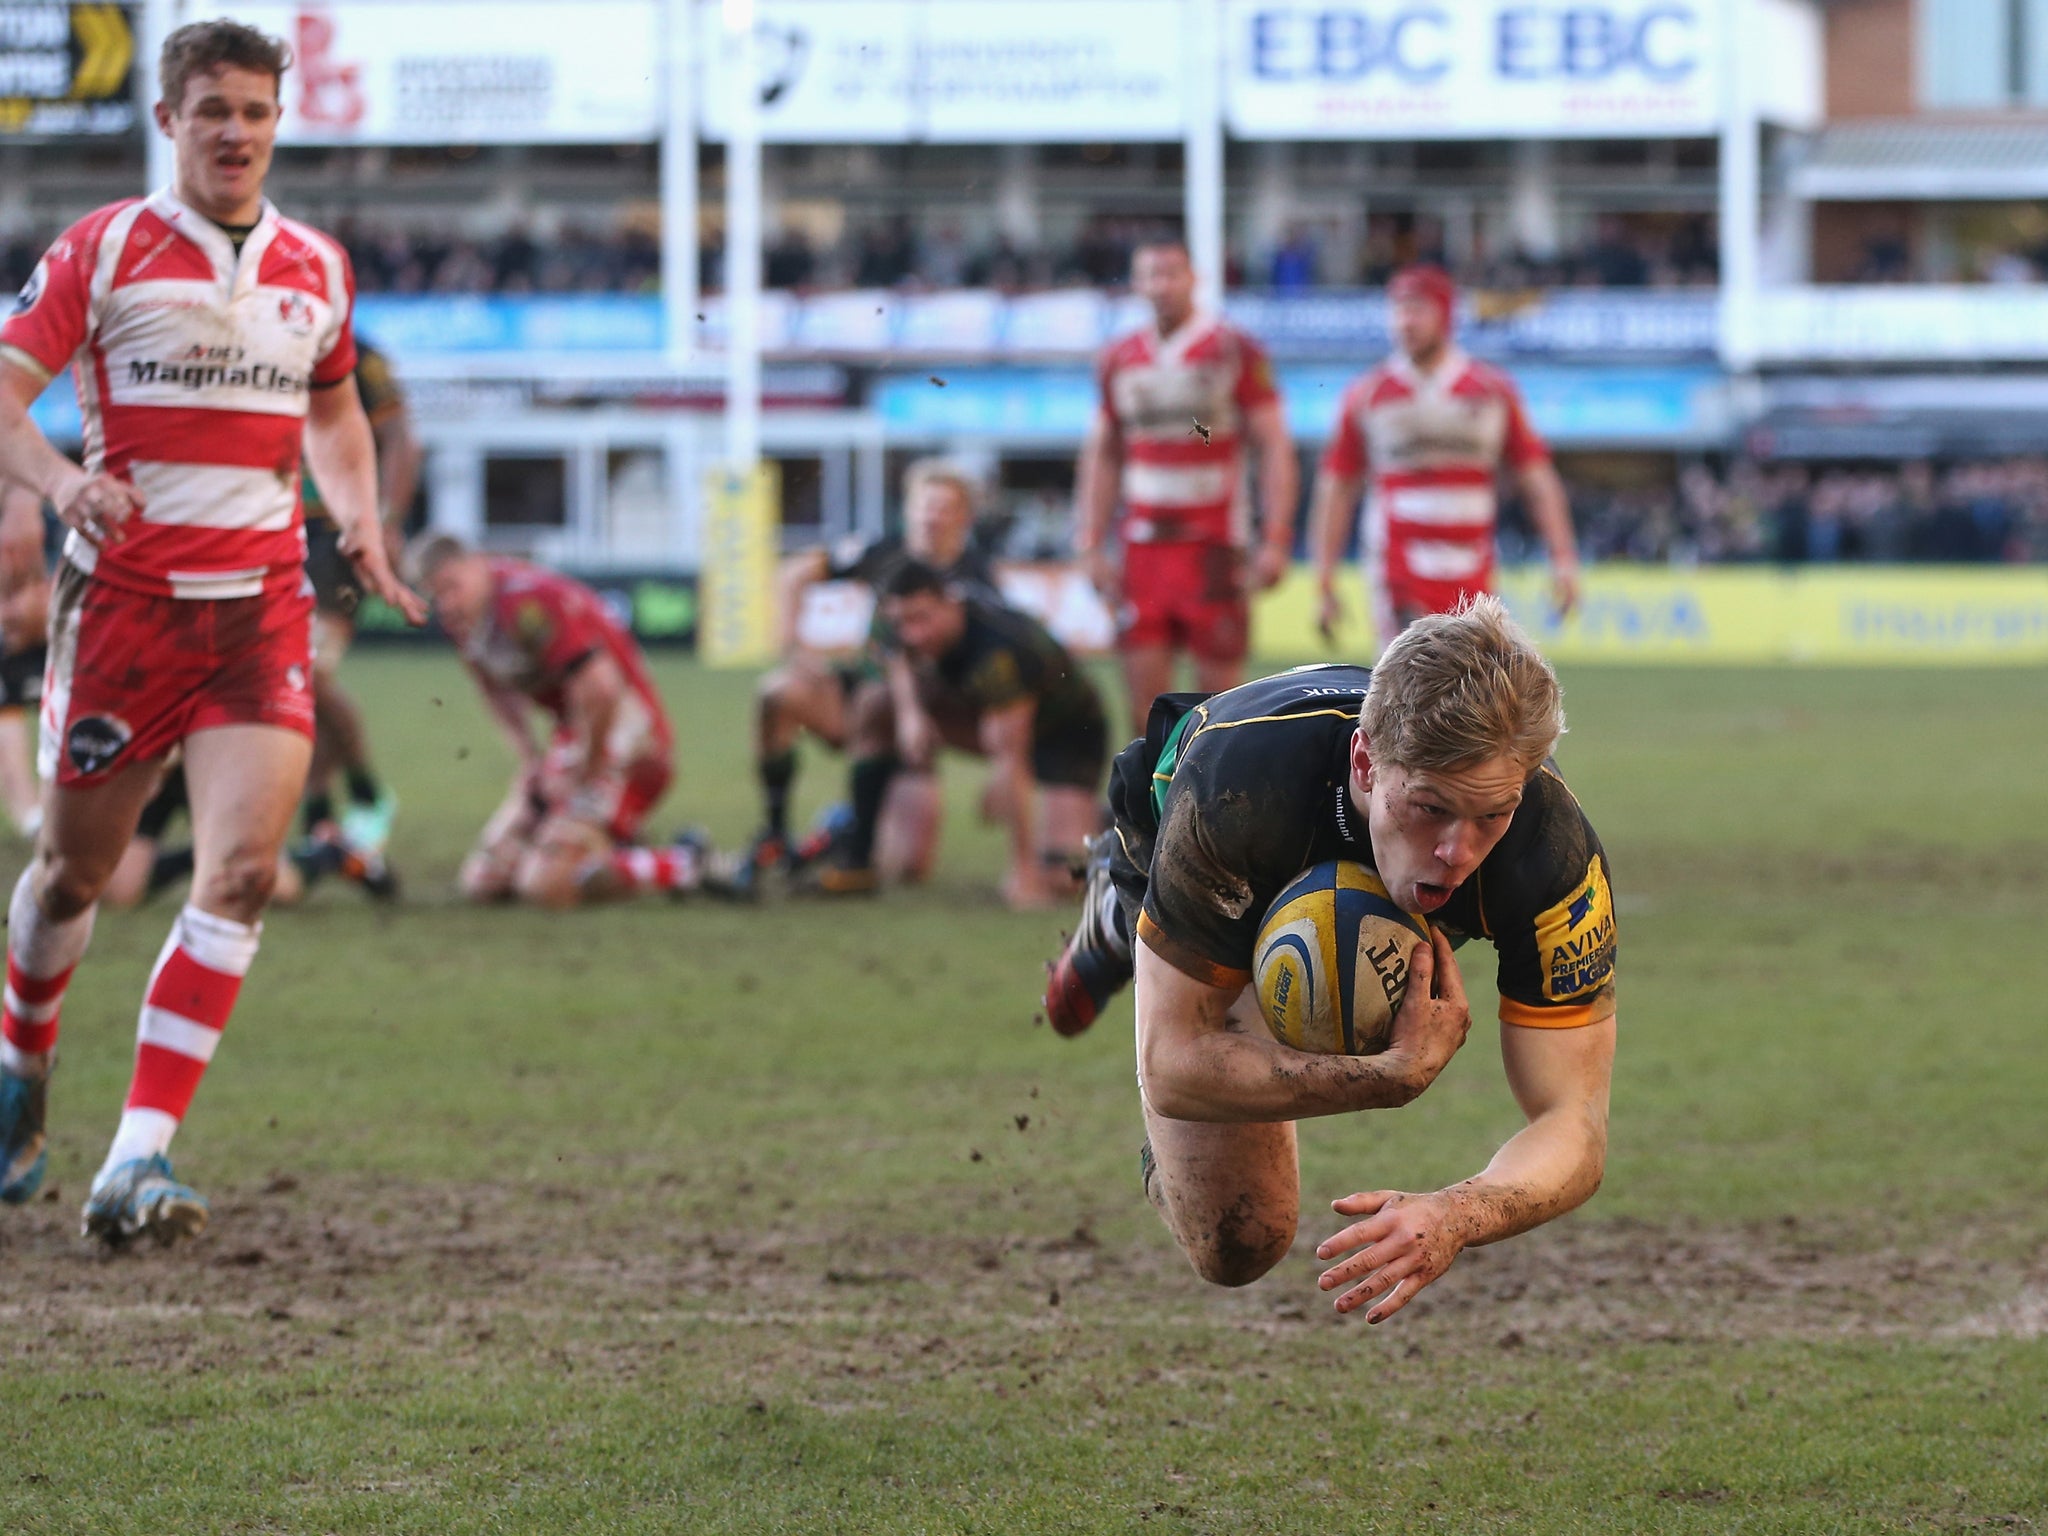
{"x": 1331, "y": 966}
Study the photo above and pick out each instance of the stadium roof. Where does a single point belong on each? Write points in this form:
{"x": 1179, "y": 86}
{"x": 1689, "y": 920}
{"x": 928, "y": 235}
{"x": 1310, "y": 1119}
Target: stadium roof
{"x": 1924, "y": 162}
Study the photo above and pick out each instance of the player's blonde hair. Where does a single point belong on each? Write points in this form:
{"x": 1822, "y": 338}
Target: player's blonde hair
{"x": 1457, "y": 688}
{"x": 427, "y": 553}
{"x": 923, "y": 472}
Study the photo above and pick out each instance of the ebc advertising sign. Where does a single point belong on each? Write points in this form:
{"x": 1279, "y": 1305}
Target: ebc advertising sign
{"x": 1364, "y": 69}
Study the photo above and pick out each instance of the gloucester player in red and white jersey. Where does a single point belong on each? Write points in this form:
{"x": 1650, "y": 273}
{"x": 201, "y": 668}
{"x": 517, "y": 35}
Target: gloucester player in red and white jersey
{"x": 1432, "y": 428}
{"x": 210, "y": 339}
{"x": 1182, "y": 399}
{"x": 569, "y": 828}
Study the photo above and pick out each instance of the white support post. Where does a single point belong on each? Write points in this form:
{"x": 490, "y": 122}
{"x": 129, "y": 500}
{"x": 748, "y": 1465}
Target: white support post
{"x": 742, "y": 239}
{"x": 1741, "y": 190}
{"x": 154, "y": 22}
{"x": 680, "y": 280}
{"x": 1204, "y": 149}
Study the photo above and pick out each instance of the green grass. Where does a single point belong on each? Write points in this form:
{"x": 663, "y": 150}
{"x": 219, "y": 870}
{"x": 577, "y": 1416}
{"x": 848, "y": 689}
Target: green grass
{"x": 701, "y": 1219}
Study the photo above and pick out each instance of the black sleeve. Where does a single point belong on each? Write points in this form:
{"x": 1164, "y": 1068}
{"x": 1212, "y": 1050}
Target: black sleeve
{"x": 1548, "y": 903}
{"x": 1219, "y": 859}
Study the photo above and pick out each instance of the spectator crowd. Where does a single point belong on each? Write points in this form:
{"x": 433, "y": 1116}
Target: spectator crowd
{"x": 1967, "y": 512}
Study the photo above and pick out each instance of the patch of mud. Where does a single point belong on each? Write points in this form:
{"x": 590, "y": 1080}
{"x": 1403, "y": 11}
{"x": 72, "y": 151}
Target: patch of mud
{"x": 294, "y": 1270}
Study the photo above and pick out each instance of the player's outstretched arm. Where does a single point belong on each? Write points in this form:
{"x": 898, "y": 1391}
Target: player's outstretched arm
{"x": 1201, "y": 1059}
{"x": 341, "y": 453}
{"x": 1403, "y": 1241}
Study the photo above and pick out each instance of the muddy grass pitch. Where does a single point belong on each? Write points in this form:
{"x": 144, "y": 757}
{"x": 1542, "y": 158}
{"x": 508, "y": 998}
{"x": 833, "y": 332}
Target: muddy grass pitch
{"x": 698, "y": 1219}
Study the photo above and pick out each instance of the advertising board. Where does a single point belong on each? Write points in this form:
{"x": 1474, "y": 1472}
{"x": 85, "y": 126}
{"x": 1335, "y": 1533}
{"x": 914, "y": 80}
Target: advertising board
{"x": 1367, "y": 69}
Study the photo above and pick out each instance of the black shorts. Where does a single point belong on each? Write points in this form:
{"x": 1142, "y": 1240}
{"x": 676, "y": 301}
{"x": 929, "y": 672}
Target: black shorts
{"x": 1073, "y": 758}
{"x": 21, "y": 677}
{"x": 336, "y": 587}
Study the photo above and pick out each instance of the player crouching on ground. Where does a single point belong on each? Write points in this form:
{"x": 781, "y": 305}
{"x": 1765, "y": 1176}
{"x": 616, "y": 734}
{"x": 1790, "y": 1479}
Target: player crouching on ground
{"x": 1433, "y": 769}
{"x": 837, "y": 703}
{"x": 569, "y": 828}
{"x": 997, "y": 685}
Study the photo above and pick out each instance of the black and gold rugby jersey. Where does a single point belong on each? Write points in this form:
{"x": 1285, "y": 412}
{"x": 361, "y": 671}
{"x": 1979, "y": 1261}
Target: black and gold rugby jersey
{"x": 1217, "y": 812}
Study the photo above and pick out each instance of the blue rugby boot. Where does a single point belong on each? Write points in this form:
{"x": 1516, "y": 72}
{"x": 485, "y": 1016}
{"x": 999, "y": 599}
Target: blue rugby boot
{"x": 24, "y": 1148}
{"x": 142, "y": 1195}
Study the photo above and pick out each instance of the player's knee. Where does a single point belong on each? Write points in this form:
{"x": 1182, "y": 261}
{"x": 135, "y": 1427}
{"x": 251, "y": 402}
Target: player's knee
{"x": 1244, "y": 1243}
{"x": 240, "y": 886}
{"x": 66, "y": 887}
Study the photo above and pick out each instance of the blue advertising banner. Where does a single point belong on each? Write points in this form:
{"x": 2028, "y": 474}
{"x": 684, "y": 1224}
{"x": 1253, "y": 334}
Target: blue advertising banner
{"x": 1646, "y": 407}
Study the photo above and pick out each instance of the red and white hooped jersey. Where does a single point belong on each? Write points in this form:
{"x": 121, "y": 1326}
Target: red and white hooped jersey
{"x": 1179, "y": 404}
{"x": 193, "y": 367}
{"x": 539, "y": 628}
{"x": 1433, "y": 445}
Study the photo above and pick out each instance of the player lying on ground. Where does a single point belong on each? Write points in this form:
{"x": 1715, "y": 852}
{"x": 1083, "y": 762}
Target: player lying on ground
{"x": 807, "y": 694}
{"x": 1433, "y": 428}
{"x": 24, "y": 632}
{"x": 341, "y": 741}
{"x": 1182, "y": 399}
{"x": 997, "y": 685}
{"x": 1433, "y": 769}
{"x": 219, "y": 334}
{"x": 569, "y": 828}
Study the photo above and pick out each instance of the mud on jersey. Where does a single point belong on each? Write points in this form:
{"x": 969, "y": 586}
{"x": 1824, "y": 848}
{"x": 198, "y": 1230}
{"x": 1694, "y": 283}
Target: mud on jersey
{"x": 1179, "y": 404}
{"x": 193, "y": 363}
{"x": 1433, "y": 446}
{"x": 1253, "y": 788}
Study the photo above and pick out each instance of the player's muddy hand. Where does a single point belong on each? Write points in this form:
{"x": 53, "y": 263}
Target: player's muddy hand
{"x": 1433, "y": 1018}
{"x": 1402, "y": 1243}
{"x": 1329, "y": 613}
{"x": 97, "y": 507}
{"x": 373, "y": 565}
{"x": 1269, "y": 565}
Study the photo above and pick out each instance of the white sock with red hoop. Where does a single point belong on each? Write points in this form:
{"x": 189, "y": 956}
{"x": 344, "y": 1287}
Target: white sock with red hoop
{"x": 191, "y": 993}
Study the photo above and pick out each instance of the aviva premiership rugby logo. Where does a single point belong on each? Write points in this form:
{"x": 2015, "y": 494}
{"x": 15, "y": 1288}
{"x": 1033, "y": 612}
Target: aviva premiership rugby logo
{"x": 1576, "y": 939}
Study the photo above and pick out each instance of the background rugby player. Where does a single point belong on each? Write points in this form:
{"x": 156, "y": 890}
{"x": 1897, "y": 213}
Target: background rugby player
{"x": 807, "y": 695}
{"x": 1181, "y": 401}
{"x": 1433, "y": 429}
{"x": 1000, "y": 687}
{"x": 569, "y": 828}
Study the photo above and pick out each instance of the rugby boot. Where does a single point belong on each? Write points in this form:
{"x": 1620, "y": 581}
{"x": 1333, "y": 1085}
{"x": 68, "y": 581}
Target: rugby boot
{"x": 367, "y": 826}
{"x": 835, "y": 877}
{"x": 138, "y": 1196}
{"x": 24, "y": 1148}
{"x": 370, "y": 869}
{"x": 1096, "y": 963}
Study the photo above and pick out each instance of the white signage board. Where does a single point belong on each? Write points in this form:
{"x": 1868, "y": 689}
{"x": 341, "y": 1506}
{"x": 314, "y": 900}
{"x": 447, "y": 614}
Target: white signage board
{"x": 1449, "y": 69}
{"x": 450, "y": 72}
{"x": 956, "y": 71}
